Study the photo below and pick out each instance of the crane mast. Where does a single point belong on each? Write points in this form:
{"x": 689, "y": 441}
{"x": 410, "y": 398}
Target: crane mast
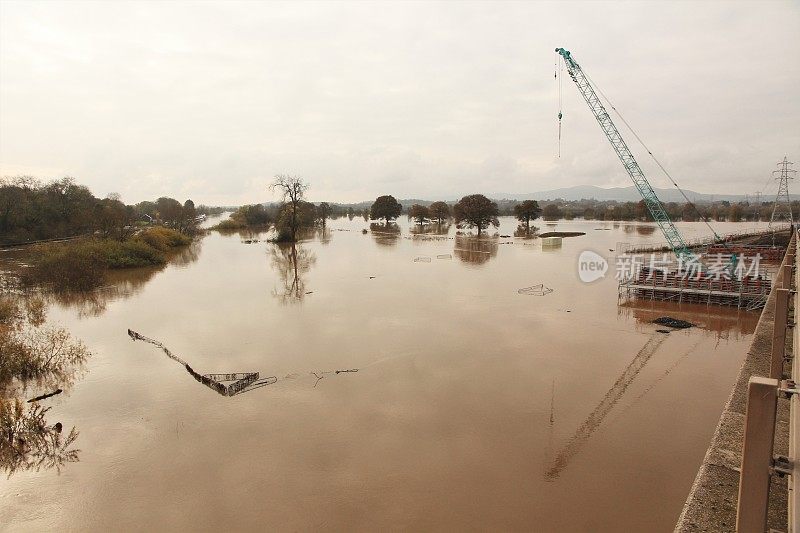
{"x": 625, "y": 155}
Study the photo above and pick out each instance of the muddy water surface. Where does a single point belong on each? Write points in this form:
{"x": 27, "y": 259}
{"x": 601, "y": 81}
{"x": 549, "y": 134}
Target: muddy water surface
{"x": 473, "y": 407}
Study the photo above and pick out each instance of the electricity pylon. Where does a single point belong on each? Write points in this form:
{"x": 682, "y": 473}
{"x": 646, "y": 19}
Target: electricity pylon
{"x": 782, "y": 198}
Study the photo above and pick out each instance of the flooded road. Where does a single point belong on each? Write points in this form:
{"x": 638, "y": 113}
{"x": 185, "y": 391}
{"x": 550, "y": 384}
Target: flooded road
{"x": 474, "y": 405}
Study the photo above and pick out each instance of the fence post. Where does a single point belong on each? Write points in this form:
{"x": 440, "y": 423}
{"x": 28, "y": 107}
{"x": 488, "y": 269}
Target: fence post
{"x": 779, "y": 333}
{"x": 787, "y": 273}
{"x": 759, "y": 435}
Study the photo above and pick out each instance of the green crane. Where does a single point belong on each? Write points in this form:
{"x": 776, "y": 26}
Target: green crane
{"x": 625, "y": 155}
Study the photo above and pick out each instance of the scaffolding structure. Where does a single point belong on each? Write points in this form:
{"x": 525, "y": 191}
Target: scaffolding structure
{"x": 765, "y": 252}
{"x": 751, "y": 292}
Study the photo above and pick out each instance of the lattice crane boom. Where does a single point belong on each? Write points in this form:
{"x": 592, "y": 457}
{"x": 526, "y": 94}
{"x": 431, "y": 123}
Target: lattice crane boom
{"x": 654, "y": 205}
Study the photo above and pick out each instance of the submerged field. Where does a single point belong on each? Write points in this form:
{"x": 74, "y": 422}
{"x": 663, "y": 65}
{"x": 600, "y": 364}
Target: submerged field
{"x": 474, "y": 406}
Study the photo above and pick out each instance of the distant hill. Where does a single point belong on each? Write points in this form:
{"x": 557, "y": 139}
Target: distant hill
{"x": 586, "y": 192}
{"x": 622, "y": 194}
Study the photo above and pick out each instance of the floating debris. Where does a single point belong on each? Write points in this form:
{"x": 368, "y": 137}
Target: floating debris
{"x": 45, "y": 396}
{"x": 664, "y": 331}
{"x": 225, "y": 384}
{"x": 672, "y": 322}
{"x": 535, "y": 290}
{"x": 422, "y": 259}
{"x": 562, "y": 234}
{"x": 229, "y": 384}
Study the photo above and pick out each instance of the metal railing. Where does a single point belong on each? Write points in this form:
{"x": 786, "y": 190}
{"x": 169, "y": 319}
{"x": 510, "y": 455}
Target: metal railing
{"x": 759, "y": 462}
{"x": 700, "y": 242}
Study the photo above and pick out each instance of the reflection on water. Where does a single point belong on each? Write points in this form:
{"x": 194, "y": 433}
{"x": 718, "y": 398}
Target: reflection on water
{"x": 291, "y": 262}
{"x": 121, "y": 284}
{"x": 719, "y": 320}
{"x": 475, "y": 250}
{"x": 29, "y": 442}
{"x": 430, "y": 229}
{"x": 645, "y": 230}
{"x": 639, "y": 229}
{"x": 607, "y": 403}
{"x": 385, "y": 234}
{"x": 34, "y": 356}
{"x": 323, "y": 234}
{"x": 186, "y": 255}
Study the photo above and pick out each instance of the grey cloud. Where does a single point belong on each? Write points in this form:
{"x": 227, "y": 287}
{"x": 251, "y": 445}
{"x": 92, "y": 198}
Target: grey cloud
{"x": 209, "y": 100}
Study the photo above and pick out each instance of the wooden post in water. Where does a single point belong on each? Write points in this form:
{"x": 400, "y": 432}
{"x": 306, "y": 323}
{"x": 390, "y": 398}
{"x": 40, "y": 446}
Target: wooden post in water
{"x": 759, "y": 434}
{"x": 779, "y": 333}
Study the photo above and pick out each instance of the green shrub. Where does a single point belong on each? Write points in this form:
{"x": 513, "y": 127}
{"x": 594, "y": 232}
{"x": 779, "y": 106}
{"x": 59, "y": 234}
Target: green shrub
{"x": 247, "y": 216}
{"x": 162, "y": 238}
{"x": 230, "y": 225}
{"x": 80, "y": 266}
{"x": 129, "y": 254}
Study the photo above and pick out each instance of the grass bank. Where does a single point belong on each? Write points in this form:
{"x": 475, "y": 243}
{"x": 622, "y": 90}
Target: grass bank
{"x": 82, "y": 265}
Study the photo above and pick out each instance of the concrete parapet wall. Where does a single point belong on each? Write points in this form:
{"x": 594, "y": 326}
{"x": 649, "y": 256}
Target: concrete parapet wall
{"x": 711, "y": 505}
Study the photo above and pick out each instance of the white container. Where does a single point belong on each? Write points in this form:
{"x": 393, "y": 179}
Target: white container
{"x": 551, "y": 242}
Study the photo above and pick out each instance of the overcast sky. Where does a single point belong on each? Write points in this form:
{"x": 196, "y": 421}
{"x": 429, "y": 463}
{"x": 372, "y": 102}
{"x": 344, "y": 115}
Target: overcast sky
{"x": 209, "y": 100}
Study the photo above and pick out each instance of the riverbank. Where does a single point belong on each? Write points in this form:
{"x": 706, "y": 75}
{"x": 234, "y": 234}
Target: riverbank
{"x": 83, "y": 264}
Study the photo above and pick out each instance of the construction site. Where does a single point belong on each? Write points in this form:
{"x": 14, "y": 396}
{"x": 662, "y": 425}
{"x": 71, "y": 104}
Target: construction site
{"x": 755, "y": 444}
{"x": 714, "y": 271}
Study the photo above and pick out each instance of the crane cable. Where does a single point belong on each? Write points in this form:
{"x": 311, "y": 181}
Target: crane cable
{"x": 664, "y": 170}
{"x": 559, "y": 67}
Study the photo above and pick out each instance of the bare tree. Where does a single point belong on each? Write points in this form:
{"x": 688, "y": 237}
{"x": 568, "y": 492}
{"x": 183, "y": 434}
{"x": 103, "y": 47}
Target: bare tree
{"x": 292, "y": 190}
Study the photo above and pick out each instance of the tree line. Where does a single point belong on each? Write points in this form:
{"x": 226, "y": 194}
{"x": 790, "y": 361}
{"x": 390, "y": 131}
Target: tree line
{"x": 31, "y": 210}
{"x": 722, "y": 211}
{"x": 294, "y": 213}
{"x": 588, "y": 209}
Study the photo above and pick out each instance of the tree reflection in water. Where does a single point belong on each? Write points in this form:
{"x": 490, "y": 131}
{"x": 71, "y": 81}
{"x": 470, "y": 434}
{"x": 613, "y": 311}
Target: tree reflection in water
{"x": 475, "y": 250}
{"x": 385, "y": 234}
{"x": 121, "y": 284}
{"x": 291, "y": 261}
{"x": 38, "y": 357}
{"x": 29, "y": 442}
{"x": 431, "y": 229}
{"x": 324, "y": 235}
{"x": 645, "y": 230}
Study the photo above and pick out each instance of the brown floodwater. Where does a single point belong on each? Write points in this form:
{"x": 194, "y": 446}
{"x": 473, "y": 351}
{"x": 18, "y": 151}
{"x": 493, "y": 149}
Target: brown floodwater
{"x": 474, "y": 406}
